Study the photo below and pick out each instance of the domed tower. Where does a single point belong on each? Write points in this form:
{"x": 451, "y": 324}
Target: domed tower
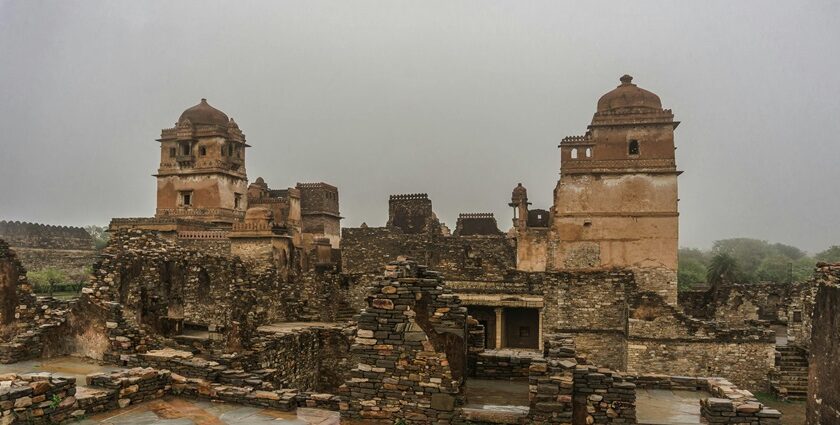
{"x": 202, "y": 168}
{"x": 615, "y": 204}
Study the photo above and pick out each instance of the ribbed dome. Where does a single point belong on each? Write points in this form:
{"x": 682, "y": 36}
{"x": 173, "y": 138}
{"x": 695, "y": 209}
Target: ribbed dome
{"x": 203, "y": 113}
{"x": 628, "y": 96}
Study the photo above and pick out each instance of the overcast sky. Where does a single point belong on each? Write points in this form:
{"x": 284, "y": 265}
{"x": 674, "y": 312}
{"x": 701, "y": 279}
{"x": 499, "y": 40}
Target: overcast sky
{"x": 459, "y": 99}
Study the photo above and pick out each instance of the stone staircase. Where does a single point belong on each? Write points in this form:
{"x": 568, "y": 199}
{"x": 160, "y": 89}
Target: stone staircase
{"x": 790, "y": 379}
{"x": 345, "y": 312}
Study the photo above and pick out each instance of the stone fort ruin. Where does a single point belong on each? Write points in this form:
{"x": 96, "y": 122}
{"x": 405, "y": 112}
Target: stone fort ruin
{"x": 241, "y": 293}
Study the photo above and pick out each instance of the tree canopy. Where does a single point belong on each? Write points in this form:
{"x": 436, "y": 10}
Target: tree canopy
{"x": 745, "y": 260}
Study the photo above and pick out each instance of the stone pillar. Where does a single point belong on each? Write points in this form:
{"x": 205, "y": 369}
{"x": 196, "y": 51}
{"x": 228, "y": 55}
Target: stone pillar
{"x": 499, "y": 326}
{"x": 540, "y": 329}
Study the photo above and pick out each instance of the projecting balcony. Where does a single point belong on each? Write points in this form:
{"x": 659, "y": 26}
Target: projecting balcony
{"x": 185, "y": 158}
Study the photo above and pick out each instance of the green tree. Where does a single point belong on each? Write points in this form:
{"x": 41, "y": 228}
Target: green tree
{"x": 723, "y": 268}
{"x": 99, "y": 234}
{"x": 830, "y": 255}
{"x": 691, "y": 273}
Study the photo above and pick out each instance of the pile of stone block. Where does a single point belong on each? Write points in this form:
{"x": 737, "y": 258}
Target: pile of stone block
{"x": 731, "y": 405}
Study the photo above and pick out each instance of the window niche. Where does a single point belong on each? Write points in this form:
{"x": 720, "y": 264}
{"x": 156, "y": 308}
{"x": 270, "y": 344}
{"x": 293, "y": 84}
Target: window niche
{"x": 633, "y": 148}
{"x": 185, "y": 198}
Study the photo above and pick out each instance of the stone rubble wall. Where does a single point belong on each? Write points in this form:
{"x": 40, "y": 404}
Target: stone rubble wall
{"x": 605, "y": 395}
{"x": 823, "y": 406}
{"x": 565, "y": 390}
{"x": 551, "y": 382}
{"x": 312, "y": 359}
{"x": 486, "y": 258}
{"x": 664, "y": 340}
{"x": 475, "y": 344}
{"x": 410, "y": 345}
{"x": 736, "y": 303}
{"x": 159, "y": 285}
{"x": 29, "y": 326}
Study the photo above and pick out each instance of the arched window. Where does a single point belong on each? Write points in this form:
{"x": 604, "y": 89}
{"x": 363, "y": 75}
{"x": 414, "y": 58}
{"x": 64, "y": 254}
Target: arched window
{"x": 633, "y": 147}
{"x": 574, "y": 153}
{"x": 185, "y": 148}
{"x": 589, "y": 152}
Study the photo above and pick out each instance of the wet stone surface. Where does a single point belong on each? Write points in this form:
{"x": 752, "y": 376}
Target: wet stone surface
{"x": 655, "y": 407}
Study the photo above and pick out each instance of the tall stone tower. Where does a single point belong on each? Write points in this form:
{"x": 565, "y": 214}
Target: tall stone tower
{"x": 615, "y": 204}
{"x": 202, "y": 168}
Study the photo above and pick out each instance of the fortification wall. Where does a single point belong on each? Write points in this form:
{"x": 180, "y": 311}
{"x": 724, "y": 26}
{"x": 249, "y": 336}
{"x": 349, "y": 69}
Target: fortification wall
{"x": 40, "y": 246}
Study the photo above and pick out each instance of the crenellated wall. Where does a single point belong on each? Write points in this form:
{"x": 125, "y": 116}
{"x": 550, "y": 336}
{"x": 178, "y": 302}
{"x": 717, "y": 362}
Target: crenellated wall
{"x": 39, "y": 246}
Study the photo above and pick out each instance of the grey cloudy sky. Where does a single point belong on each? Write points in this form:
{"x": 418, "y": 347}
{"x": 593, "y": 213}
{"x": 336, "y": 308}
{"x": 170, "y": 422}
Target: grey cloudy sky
{"x": 459, "y": 99}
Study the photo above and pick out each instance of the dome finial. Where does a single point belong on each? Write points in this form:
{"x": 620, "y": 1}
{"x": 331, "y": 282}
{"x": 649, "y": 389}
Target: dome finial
{"x": 203, "y": 100}
{"x": 626, "y": 79}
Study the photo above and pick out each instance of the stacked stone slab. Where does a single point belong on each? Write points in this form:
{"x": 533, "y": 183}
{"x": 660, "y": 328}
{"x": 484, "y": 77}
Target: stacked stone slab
{"x": 37, "y": 399}
{"x": 607, "y": 396}
{"x": 504, "y": 364}
{"x": 551, "y": 381}
{"x": 131, "y": 386}
{"x": 411, "y": 349}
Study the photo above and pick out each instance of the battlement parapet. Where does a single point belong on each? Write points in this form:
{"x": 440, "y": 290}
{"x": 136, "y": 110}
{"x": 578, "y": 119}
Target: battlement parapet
{"x": 410, "y": 197}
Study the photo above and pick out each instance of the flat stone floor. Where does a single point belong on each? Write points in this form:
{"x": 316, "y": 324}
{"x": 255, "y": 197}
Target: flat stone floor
{"x": 660, "y": 407}
{"x": 68, "y": 366}
{"x": 180, "y": 411}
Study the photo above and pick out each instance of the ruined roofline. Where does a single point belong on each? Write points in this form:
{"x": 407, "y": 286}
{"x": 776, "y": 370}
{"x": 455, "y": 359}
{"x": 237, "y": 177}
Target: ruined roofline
{"x": 409, "y": 197}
